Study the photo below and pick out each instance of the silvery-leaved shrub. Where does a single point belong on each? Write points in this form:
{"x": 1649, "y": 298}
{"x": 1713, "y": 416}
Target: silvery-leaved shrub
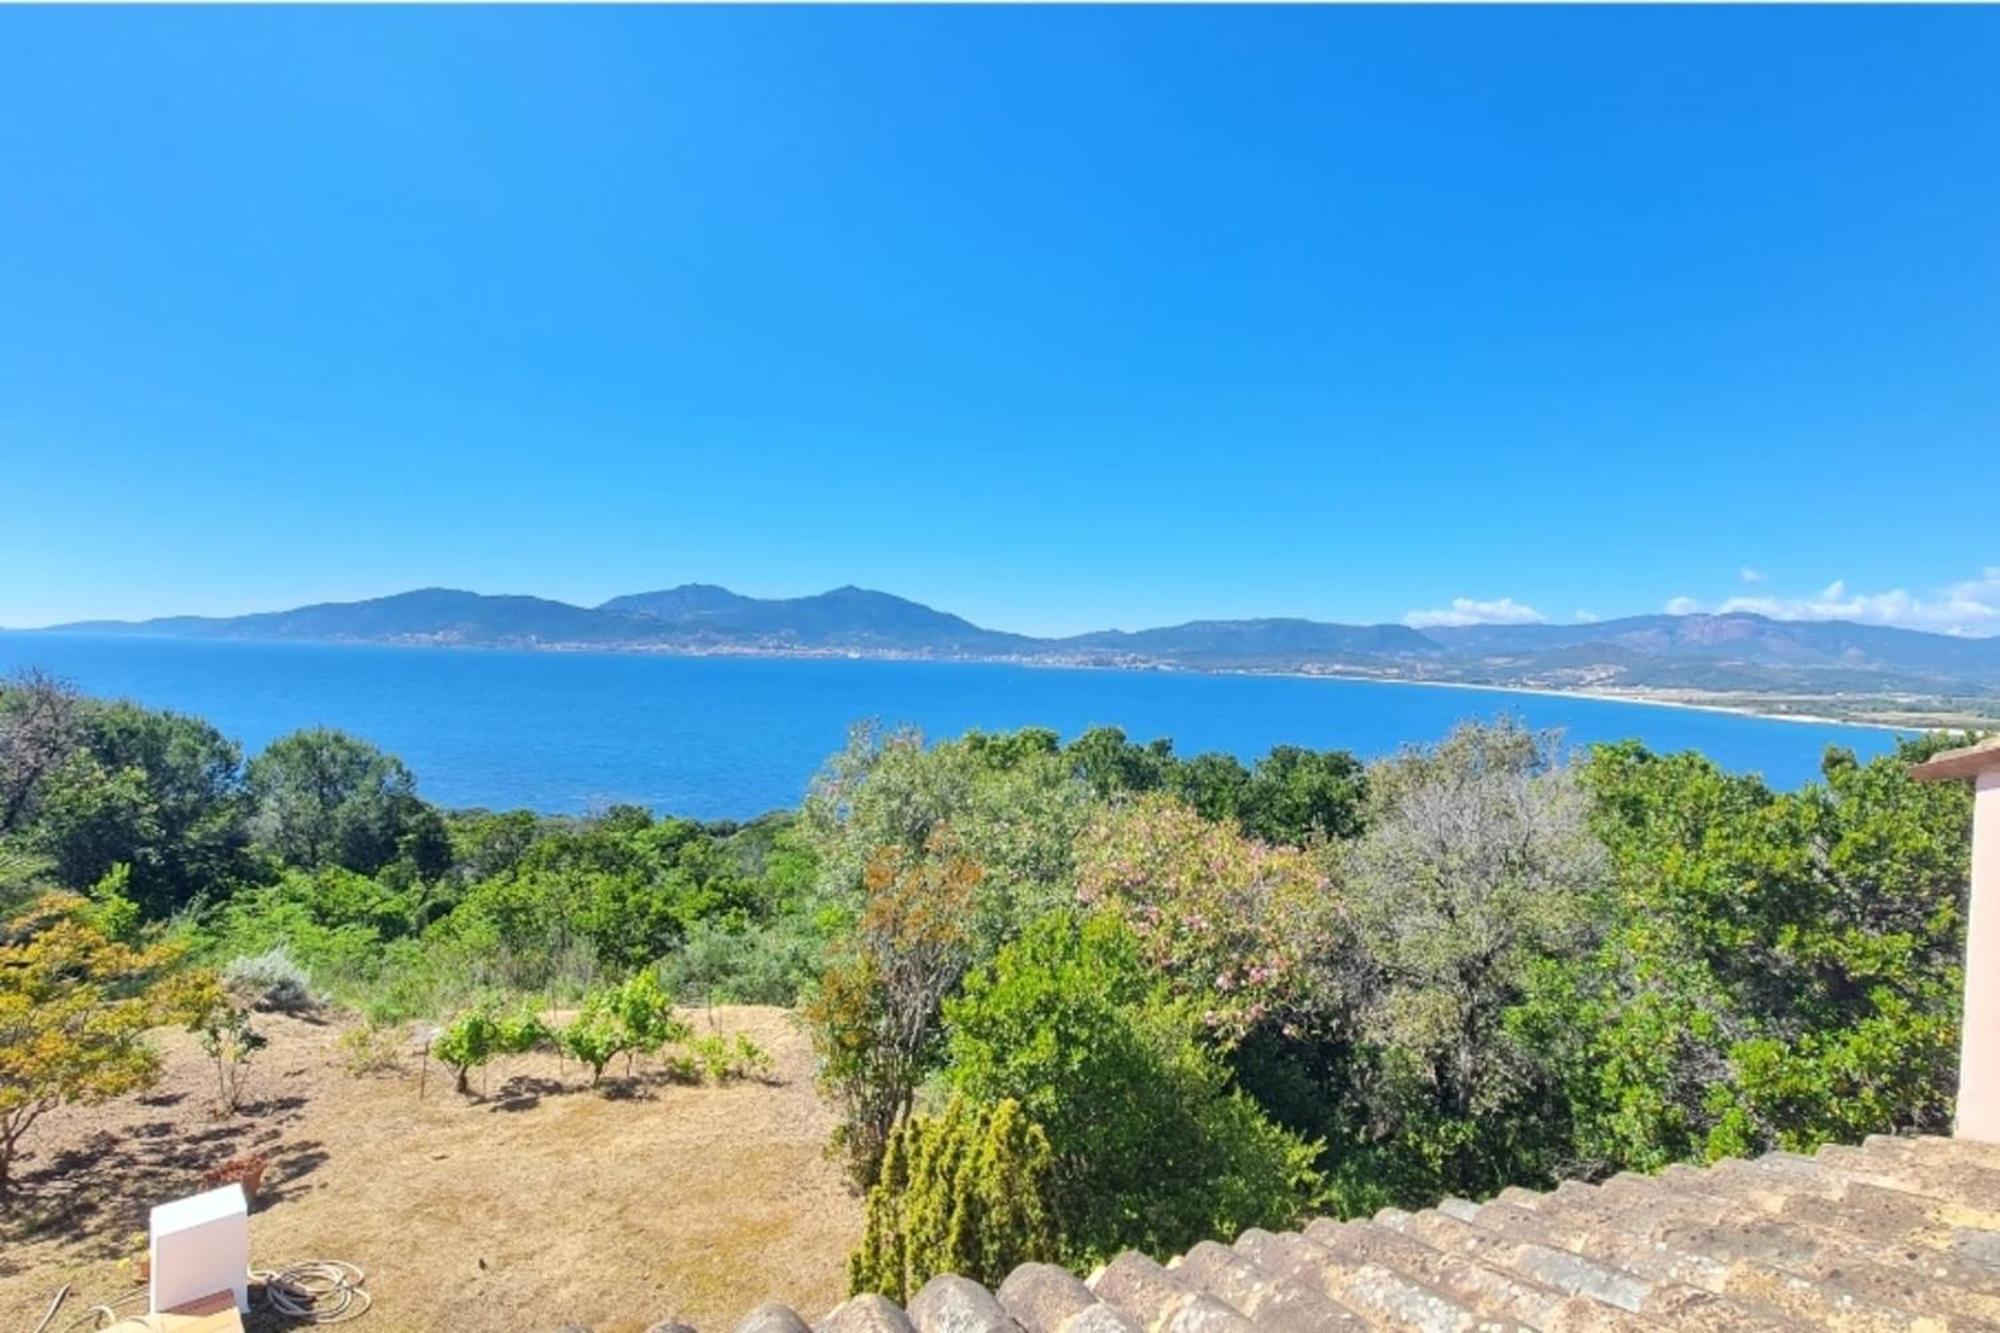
{"x": 271, "y": 980}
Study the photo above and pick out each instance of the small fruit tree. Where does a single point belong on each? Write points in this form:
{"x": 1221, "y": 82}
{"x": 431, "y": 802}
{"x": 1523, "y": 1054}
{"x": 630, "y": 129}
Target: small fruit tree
{"x": 634, "y": 1018}
{"x": 224, "y": 1028}
{"x": 475, "y": 1037}
{"x": 74, "y": 1008}
{"x": 647, "y": 1011}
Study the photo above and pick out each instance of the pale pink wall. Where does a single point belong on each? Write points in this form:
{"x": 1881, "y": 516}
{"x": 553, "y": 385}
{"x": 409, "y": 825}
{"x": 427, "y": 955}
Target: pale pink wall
{"x": 1979, "y": 1049}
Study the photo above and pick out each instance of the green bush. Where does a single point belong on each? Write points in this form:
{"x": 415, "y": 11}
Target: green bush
{"x": 723, "y": 1059}
{"x": 226, "y": 1036}
{"x": 372, "y": 1048}
{"x": 521, "y": 1032}
{"x": 646, "y": 1010}
{"x": 751, "y": 1060}
{"x": 967, "y": 1191}
{"x": 468, "y": 1042}
{"x": 1780, "y": 970}
{"x": 1154, "y": 1149}
{"x": 771, "y": 964}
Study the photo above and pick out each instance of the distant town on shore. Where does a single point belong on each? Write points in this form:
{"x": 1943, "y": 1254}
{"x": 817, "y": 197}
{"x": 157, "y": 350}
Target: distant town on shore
{"x": 1824, "y": 668}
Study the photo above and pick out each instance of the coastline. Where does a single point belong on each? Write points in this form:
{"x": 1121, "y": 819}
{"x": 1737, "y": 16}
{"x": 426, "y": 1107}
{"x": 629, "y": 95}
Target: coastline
{"x": 1905, "y": 719}
{"x": 729, "y": 740}
{"x": 1661, "y": 700}
{"x": 1622, "y": 697}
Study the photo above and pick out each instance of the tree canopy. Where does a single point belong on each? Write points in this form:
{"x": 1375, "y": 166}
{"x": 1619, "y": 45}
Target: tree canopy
{"x": 1170, "y": 996}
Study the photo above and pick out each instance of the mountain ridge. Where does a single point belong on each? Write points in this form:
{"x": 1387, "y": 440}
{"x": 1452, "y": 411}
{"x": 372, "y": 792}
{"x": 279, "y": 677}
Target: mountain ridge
{"x": 1702, "y": 651}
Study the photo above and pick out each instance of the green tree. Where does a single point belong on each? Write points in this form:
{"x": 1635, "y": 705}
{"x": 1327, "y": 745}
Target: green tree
{"x": 966, "y": 1191}
{"x": 75, "y": 1005}
{"x": 156, "y": 791}
{"x": 1215, "y": 786}
{"x": 1110, "y": 764}
{"x": 1297, "y": 796}
{"x": 1009, "y": 749}
{"x": 423, "y": 845}
{"x": 323, "y": 798}
{"x": 1153, "y": 1148}
{"x": 484, "y": 844}
{"x": 1782, "y": 968}
{"x": 1013, "y": 807}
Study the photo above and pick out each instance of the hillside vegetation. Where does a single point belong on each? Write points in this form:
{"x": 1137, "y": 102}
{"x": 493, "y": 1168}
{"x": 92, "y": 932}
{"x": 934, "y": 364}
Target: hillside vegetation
{"x": 1064, "y": 998}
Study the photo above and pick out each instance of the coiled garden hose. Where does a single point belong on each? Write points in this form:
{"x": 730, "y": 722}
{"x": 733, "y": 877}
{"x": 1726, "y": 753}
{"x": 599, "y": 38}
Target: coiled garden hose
{"x": 317, "y": 1291}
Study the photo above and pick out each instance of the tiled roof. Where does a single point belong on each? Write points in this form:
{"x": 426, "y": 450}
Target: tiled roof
{"x": 1965, "y": 762}
{"x": 1897, "y": 1236}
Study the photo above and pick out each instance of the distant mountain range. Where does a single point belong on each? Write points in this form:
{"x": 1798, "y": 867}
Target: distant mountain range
{"x": 1658, "y": 653}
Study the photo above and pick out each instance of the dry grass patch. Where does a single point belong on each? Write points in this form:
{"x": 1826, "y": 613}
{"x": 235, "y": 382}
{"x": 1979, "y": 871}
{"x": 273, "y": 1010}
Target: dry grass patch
{"x": 542, "y": 1203}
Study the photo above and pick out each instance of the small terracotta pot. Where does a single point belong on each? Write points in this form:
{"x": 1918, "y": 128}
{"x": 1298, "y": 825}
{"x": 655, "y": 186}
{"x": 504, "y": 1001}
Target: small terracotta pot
{"x": 247, "y": 1171}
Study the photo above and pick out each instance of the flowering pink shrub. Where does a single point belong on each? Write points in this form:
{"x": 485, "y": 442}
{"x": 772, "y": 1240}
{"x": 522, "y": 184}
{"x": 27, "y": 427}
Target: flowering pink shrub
{"x": 1244, "y": 928}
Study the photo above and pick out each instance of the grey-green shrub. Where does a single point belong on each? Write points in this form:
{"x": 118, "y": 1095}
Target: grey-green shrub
{"x": 763, "y": 965}
{"x": 271, "y": 980}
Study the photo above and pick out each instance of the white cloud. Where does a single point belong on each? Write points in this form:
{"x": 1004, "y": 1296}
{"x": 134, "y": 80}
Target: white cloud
{"x": 1749, "y": 575}
{"x": 1470, "y": 611}
{"x": 1969, "y": 607}
{"x": 1586, "y": 617}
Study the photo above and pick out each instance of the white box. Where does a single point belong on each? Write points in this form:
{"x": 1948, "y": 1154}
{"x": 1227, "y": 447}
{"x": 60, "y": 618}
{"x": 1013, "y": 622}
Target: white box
{"x": 201, "y": 1245}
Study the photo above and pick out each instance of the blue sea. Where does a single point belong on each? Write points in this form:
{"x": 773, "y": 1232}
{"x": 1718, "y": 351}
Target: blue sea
{"x": 731, "y": 737}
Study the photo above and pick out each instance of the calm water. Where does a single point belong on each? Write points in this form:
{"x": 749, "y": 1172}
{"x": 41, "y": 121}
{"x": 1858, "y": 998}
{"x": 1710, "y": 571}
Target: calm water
{"x": 731, "y": 737}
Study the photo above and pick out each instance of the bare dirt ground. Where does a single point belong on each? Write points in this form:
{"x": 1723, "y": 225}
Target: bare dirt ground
{"x": 541, "y": 1203}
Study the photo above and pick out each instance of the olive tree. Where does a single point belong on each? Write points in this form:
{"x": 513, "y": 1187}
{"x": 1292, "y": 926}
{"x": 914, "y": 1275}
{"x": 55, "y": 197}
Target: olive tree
{"x": 40, "y": 729}
{"x": 1478, "y": 868}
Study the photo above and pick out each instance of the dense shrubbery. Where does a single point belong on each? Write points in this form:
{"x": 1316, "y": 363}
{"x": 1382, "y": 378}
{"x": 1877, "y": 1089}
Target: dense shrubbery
{"x": 1109, "y": 995}
{"x": 1778, "y": 969}
{"x": 1153, "y": 1147}
{"x": 1474, "y": 964}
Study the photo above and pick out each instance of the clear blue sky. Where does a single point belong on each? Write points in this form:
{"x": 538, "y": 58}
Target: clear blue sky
{"x": 1057, "y": 318}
